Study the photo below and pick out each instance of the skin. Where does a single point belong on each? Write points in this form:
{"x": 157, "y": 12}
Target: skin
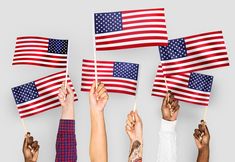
{"x": 170, "y": 107}
{"x": 98, "y": 98}
{"x": 30, "y": 148}
{"x": 202, "y": 140}
{"x": 66, "y": 98}
{"x": 134, "y": 130}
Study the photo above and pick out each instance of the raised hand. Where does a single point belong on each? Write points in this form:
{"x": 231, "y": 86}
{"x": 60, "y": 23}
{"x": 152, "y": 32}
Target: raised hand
{"x": 98, "y": 97}
{"x": 30, "y": 149}
{"x": 66, "y": 98}
{"x": 170, "y": 107}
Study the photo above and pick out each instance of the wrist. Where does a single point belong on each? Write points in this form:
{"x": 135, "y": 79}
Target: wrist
{"x": 204, "y": 149}
{"x": 67, "y": 113}
{"x": 140, "y": 139}
{"x": 96, "y": 110}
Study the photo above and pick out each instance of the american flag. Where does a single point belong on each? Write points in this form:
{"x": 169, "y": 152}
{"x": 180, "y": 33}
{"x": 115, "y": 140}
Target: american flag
{"x": 40, "y": 51}
{"x": 40, "y": 95}
{"x": 188, "y": 87}
{"x": 194, "y": 53}
{"x": 130, "y": 29}
{"x": 118, "y": 77}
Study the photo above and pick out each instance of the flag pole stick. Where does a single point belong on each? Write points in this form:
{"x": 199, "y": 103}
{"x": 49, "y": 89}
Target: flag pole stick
{"x": 24, "y": 126}
{"x": 205, "y": 114}
{"x": 67, "y": 69}
{"x": 94, "y": 49}
{"x": 137, "y": 87}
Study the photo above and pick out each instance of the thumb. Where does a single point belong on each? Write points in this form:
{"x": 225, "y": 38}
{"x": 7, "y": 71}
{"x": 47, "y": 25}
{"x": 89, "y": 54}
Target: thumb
{"x": 93, "y": 87}
{"x": 25, "y": 144}
{"x": 137, "y": 117}
{"x": 69, "y": 89}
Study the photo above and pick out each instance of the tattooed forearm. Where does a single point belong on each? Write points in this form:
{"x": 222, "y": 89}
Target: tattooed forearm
{"x": 136, "y": 152}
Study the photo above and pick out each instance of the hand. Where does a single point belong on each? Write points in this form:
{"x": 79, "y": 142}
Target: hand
{"x": 66, "y": 98}
{"x": 134, "y": 127}
{"x": 170, "y": 107}
{"x": 98, "y": 98}
{"x": 30, "y": 149}
{"x": 202, "y": 136}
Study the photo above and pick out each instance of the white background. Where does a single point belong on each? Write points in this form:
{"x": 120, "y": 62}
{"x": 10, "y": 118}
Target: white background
{"x": 72, "y": 19}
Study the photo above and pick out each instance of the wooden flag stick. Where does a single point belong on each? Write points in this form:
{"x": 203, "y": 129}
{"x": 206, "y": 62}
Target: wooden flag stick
{"x": 137, "y": 87}
{"x": 67, "y": 69}
{"x": 205, "y": 114}
{"x": 135, "y": 106}
{"x": 24, "y": 126}
{"x": 94, "y": 49}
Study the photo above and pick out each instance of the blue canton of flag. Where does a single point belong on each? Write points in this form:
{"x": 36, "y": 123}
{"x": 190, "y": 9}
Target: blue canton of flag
{"x": 58, "y": 46}
{"x": 200, "y": 82}
{"x": 108, "y": 22}
{"x": 176, "y": 49}
{"x": 25, "y": 93}
{"x": 126, "y": 70}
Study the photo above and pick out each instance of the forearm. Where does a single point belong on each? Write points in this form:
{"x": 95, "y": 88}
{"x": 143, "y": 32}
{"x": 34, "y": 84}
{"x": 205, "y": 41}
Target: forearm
{"x": 98, "y": 141}
{"x": 203, "y": 155}
{"x": 136, "y": 151}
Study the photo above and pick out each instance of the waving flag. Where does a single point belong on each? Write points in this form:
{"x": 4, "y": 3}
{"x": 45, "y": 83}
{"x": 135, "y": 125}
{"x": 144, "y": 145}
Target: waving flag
{"x": 40, "y": 95}
{"x": 189, "y": 87}
{"x": 130, "y": 29}
{"x": 118, "y": 77}
{"x": 194, "y": 53}
{"x": 41, "y": 51}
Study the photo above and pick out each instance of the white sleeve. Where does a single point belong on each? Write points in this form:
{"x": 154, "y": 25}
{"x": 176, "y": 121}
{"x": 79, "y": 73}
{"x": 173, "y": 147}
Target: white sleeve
{"x": 167, "y": 142}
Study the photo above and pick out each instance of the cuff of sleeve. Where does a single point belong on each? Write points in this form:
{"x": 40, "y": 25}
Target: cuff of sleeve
{"x": 168, "y": 126}
{"x": 67, "y": 126}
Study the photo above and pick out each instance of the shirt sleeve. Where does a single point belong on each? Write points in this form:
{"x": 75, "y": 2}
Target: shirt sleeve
{"x": 167, "y": 142}
{"x": 66, "y": 145}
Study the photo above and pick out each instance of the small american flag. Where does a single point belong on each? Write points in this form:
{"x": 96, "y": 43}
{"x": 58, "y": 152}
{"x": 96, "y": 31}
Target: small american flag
{"x": 194, "y": 53}
{"x": 40, "y": 95}
{"x": 130, "y": 29}
{"x": 40, "y": 51}
{"x": 118, "y": 77}
{"x": 189, "y": 87}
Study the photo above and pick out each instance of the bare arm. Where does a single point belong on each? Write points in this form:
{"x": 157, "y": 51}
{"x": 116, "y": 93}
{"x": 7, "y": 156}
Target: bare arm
{"x": 134, "y": 129}
{"x": 98, "y": 141}
{"x": 202, "y": 139}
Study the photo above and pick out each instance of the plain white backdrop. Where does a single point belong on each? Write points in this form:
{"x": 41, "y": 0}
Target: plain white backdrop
{"x": 72, "y": 19}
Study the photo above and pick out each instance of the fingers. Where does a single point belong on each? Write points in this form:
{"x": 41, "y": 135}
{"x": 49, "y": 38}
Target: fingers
{"x": 36, "y": 153}
{"x": 25, "y": 144}
{"x": 204, "y": 128}
{"x": 100, "y": 91}
{"x": 93, "y": 87}
{"x": 137, "y": 117}
{"x": 99, "y": 88}
{"x": 130, "y": 122}
{"x": 69, "y": 89}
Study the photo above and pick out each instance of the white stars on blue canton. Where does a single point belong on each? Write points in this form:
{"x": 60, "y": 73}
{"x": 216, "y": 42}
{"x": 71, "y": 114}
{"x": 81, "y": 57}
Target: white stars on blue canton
{"x": 25, "y": 92}
{"x": 126, "y": 70}
{"x": 58, "y": 46}
{"x": 176, "y": 49}
{"x": 200, "y": 82}
{"x": 108, "y": 22}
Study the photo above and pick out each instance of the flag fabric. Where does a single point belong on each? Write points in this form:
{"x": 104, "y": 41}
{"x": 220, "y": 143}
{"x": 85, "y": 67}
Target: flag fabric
{"x": 194, "y": 53}
{"x": 118, "y": 77}
{"x": 40, "y": 95}
{"x": 40, "y": 51}
{"x": 193, "y": 87}
{"x": 130, "y": 29}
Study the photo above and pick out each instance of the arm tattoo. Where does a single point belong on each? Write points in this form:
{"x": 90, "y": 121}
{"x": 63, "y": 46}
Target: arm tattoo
{"x": 136, "y": 152}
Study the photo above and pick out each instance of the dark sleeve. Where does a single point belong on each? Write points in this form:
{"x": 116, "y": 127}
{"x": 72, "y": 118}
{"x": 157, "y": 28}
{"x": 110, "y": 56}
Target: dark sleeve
{"x": 66, "y": 145}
